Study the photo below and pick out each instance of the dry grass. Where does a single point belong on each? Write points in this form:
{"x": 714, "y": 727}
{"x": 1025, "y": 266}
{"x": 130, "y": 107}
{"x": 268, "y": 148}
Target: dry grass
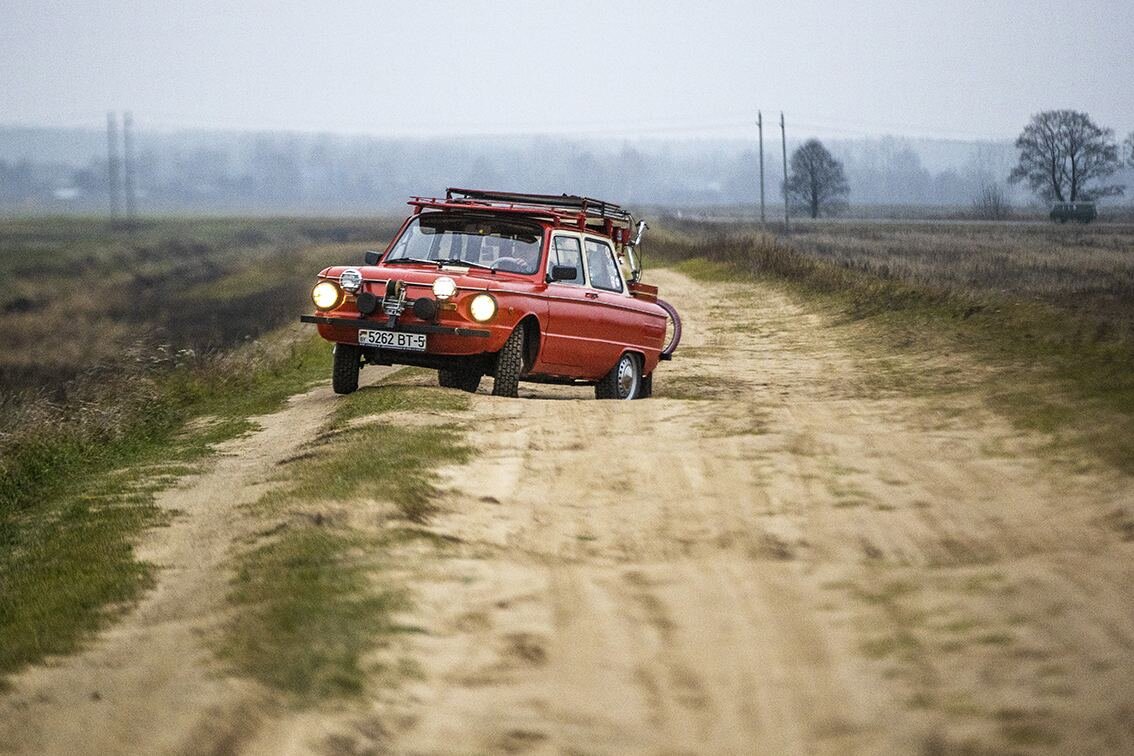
{"x": 77, "y": 484}
{"x": 111, "y": 342}
{"x": 109, "y": 335}
{"x": 1086, "y": 270}
{"x": 81, "y": 297}
{"x": 1055, "y": 328}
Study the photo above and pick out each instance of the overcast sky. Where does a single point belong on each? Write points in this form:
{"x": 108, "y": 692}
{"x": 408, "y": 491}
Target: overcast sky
{"x": 612, "y": 67}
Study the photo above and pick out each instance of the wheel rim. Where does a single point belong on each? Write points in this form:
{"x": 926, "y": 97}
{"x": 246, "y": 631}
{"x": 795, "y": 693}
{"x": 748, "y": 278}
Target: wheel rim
{"x": 627, "y": 377}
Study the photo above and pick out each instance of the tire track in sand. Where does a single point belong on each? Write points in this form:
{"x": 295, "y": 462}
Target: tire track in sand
{"x": 795, "y": 562}
{"x": 779, "y": 554}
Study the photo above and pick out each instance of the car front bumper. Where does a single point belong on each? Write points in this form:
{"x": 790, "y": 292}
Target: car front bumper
{"x": 380, "y": 325}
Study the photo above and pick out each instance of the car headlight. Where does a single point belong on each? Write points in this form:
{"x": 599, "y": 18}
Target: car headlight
{"x": 326, "y": 295}
{"x": 444, "y": 287}
{"x": 482, "y": 307}
{"x": 351, "y": 280}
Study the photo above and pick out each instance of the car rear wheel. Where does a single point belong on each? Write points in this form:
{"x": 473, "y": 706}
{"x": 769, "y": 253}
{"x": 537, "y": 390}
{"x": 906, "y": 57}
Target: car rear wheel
{"x": 509, "y": 363}
{"x": 624, "y": 381}
{"x": 344, "y": 376}
{"x": 459, "y": 378}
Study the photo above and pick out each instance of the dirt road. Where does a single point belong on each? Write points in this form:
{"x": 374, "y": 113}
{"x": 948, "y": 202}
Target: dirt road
{"x": 784, "y": 552}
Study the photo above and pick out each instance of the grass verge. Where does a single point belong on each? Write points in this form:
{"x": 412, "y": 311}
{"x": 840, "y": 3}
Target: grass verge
{"x": 316, "y": 596}
{"x": 77, "y": 489}
{"x": 1054, "y": 372}
{"x": 307, "y": 613}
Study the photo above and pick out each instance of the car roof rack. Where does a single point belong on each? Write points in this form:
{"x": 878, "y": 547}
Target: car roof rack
{"x": 584, "y": 212}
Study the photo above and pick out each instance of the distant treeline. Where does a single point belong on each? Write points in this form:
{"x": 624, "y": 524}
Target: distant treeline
{"x": 65, "y": 170}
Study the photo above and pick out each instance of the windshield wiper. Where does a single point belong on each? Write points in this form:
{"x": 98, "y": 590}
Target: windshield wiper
{"x": 438, "y": 263}
{"x": 464, "y": 263}
{"x": 399, "y": 260}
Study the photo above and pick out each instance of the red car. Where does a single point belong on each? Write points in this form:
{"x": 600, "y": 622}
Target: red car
{"x": 516, "y": 286}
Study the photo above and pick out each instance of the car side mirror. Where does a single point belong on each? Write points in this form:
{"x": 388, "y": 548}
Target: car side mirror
{"x": 371, "y": 257}
{"x": 564, "y": 272}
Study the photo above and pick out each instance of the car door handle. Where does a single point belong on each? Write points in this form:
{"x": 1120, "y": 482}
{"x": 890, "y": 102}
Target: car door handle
{"x": 592, "y": 295}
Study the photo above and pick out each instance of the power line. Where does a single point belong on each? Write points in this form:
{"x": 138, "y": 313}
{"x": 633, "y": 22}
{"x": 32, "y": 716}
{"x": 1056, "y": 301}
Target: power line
{"x": 727, "y": 123}
{"x": 870, "y": 127}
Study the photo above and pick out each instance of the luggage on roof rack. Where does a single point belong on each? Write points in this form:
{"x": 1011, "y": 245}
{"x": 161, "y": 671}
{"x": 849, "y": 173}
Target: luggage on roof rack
{"x": 566, "y": 204}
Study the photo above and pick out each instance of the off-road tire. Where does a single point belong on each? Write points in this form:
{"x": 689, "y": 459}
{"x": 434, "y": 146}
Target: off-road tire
{"x": 647, "y": 387}
{"x": 464, "y": 379}
{"x": 624, "y": 381}
{"x": 344, "y": 375}
{"x": 509, "y": 364}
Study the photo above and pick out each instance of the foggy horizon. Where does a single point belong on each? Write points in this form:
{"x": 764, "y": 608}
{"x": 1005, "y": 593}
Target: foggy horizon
{"x": 975, "y": 71}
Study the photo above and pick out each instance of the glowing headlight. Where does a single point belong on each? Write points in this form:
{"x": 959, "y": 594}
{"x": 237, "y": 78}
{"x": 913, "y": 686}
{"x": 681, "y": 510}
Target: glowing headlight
{"x": 326, "y": 295}
{"x": 482, "y": 307}
{"x": 351, "y": 280}
{"x": 444, "y": 287}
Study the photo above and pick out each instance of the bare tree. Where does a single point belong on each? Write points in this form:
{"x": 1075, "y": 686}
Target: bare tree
{"x": 1061, "y": 151}
{"x": 1129, "y": 144}
{"x": 991, "y": 203}
{"x": 816, "y": 180}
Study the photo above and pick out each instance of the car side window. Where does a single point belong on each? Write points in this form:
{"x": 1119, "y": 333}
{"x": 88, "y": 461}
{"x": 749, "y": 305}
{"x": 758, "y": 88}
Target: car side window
{"x": 602, "y": 267}
{"x": 565, "y": 251}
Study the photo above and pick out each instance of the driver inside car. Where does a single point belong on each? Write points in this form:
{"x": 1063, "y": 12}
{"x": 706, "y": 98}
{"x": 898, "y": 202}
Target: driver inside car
{"x": 518, "y": 257}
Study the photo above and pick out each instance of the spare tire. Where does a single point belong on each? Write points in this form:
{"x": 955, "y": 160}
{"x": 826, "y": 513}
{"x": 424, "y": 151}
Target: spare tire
{"x": 672, "y": 329}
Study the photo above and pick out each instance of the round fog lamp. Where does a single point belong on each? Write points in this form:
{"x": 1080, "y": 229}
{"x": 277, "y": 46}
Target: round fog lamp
{"x": 351, "y": 280}
{"x": 425, "y": 308}
{"x": 444, "y": 287}
{"x": 367, "y": 303}
{"x": 326, "y": 295}
{"x": 482, "y": 307}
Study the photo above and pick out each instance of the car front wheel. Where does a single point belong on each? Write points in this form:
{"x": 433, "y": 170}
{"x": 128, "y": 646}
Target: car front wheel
{"x": 509, "y": 363}
{"x": 459, "y": 378}
{"x": 344, "y": 376}
{"x": 624, "y": 381}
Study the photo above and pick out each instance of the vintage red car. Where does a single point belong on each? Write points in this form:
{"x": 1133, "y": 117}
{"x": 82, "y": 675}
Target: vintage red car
{"x": 520, "y": 287}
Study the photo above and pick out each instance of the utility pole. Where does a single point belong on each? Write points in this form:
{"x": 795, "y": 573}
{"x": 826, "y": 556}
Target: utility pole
{"x": 760, "y": 126}
{"x": 783, "y": 140}
{"x": 128, "y": 157}
{"x": 112, "y": 164}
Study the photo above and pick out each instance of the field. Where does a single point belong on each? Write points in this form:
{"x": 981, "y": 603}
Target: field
{"x": 880, "y": 503}
{"x": 111, "y": 340}
{"x": 82, "y": 297}
{"x": 1087, "y": 271}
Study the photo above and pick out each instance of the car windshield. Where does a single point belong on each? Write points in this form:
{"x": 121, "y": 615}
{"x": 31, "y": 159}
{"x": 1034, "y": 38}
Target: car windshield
{"x": 498, "y": 243}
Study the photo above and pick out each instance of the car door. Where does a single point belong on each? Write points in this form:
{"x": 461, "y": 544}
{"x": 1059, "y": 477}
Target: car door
{"x": 610, "y": 323}
{"x": 569, "y": 314}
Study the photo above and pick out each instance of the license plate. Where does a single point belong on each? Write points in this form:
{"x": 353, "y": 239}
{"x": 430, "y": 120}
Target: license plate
{"x": 411, "y": 342}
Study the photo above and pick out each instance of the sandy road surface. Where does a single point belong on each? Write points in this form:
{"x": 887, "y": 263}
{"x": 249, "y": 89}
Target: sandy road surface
{"x": 782, "y": 553}
{"x": 799, "y": 562}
